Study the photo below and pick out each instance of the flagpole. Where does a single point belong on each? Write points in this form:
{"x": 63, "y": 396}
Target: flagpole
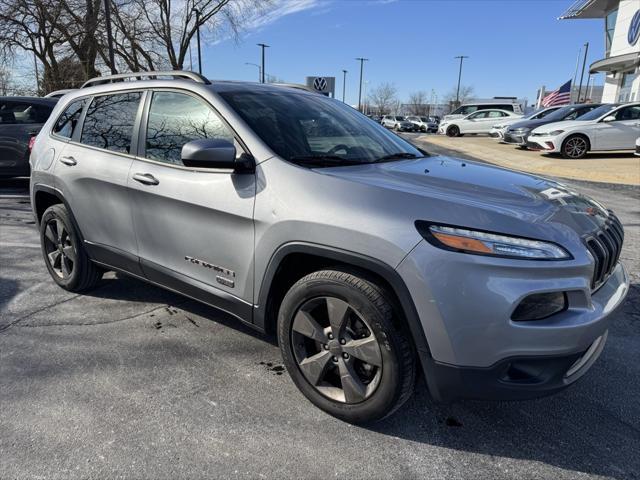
{"x": 575, "y": 74}
{"x": 584, "y": 63}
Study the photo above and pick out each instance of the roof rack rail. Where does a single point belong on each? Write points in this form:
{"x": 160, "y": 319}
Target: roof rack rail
{"x": 196, "y": 77}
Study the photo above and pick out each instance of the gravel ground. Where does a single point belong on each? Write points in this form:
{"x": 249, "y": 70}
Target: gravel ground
{"x": 131, "y": 381}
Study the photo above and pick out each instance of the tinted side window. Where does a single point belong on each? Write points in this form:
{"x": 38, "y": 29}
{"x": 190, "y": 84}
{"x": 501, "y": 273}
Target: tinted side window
{"x": 109, "y": 122}
{"x": 628, "y": 113}
{"x": 23, "y": 113}
{"x": 176, "y": 119}
{"x": 67, "y": 121}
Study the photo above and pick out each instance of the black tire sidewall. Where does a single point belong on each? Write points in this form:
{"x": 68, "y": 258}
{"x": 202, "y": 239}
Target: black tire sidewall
{"x": 60, "y": 212}
{"x": 387, "y": 391}
{"x": 453, "y": 131}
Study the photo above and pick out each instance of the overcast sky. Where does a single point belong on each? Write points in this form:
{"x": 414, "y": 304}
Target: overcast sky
{"x": 514, "y": 46}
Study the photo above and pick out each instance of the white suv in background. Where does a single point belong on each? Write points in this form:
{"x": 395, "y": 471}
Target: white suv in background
{"x": 608, "y": 127}
{"x": 478, "y": 122}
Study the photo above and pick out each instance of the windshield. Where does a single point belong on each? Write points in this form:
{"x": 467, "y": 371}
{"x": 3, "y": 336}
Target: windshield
{"x": 538, "y": 114}
{"x": 598, "y": 112}
{"x": 399, "y": 118}
{"x": 424, "y": 119}
{"x": 300, "y": 127}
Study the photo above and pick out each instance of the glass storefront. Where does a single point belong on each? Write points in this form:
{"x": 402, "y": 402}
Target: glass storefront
{"x": 625, "y": 93}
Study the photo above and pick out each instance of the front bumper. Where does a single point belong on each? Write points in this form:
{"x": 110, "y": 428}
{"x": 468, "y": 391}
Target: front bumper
{"x": 476, "y": 350}
{"x": 515, "y": 139}
{"x": 638, "y": 150}
{"x": 546, "y": 143}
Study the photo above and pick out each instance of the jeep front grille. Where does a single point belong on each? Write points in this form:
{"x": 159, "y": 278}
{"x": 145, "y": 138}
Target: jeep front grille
{"x": 605, "y": 246}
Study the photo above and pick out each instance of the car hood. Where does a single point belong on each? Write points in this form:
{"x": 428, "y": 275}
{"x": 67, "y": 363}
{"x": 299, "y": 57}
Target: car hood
{"x": 458, "y": 192}
{"x": 531, "y": 124}
{"x": 550, "y": 127}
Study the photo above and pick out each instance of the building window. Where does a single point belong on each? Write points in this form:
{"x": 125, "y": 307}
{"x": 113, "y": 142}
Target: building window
{"x": 626, "y": 93}
{"x": 609, "y": 27}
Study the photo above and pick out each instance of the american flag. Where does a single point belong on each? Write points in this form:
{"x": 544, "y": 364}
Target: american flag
{"x": 561, "y": 96}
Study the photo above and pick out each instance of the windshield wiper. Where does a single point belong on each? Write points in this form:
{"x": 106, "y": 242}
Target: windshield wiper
{"x": 394, "y": 156}
{"x": 322, "y": 160}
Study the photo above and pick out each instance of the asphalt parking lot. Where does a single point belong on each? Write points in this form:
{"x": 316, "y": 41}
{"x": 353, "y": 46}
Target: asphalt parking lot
{"x": 131, "y": 381}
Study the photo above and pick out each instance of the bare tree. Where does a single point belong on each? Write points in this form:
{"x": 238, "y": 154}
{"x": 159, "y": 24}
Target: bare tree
{"x": 384, "y": 98}
{"x": 174, "y": 23}
{"x": 418, "y": 103}
{"x": 30, "y": 26}
{"x": 466, "y": 93}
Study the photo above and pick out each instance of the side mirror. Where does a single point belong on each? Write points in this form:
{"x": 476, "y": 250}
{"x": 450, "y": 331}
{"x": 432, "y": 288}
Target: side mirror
{"x": 608, "y": 119}
{"x": 209, "y": 153}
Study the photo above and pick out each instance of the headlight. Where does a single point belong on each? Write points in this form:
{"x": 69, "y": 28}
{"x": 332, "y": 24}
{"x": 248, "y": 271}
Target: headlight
{"x": 522, "y": 130}
{"x": 485, "y": 243}
{"x": 555, "y": 132}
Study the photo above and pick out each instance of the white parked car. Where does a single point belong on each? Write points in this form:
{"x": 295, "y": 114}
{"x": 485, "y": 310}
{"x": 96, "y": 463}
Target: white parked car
{"x": 608, "y": 127}
{"x": 497, "y": 131}
{"x": 638, "y": 147}
{"x": 477, "y": 122}
{"x": 468, "y": 108}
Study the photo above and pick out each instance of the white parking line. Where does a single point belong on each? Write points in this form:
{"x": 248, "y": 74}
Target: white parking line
{"x": 19, "y": 245}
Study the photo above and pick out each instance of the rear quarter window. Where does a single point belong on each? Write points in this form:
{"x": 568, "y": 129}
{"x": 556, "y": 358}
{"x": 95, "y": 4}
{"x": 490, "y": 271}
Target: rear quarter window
{"x": 68, "y": 120}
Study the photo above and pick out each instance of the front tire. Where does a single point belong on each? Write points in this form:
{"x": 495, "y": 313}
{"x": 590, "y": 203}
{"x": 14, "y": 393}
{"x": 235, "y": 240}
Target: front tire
{"x": 453, "y": 131}
{"x": 344, "y": 347}
{"x": 63, "y": 252}
{"x": 575, "y": 147}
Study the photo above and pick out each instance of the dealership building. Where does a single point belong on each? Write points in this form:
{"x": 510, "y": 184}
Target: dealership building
{"x": 621, "y": 64}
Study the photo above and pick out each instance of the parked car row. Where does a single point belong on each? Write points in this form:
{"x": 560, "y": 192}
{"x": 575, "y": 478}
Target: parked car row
{"x": 411, "y": 123}
{"x": 571, "y": 130}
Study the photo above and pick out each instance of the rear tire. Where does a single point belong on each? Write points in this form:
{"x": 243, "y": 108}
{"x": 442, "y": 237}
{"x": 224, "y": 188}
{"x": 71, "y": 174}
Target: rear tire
{"x": 64, "y": 253}
{"x": 453, "y": 131}
{"x": 342, "y": 347}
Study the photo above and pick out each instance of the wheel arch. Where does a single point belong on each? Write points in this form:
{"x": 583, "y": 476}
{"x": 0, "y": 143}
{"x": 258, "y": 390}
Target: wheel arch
{"x": 294, "y": 260}
{"x": 44, "y": 197}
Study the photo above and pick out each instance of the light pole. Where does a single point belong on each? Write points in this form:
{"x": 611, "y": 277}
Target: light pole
{"x": 262, "y": 46}
{"x": 344, "y": 83}
{"x": 198, "y": 39}
{"x": 259, "y": 69}
{"x": 361, "y": 60}
{"x": 584, "y": 63}
{"x": 461, "y": 57}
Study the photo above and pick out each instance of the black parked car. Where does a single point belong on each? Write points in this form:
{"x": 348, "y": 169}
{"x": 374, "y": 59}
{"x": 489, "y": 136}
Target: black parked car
{"x": 20, "y": 119}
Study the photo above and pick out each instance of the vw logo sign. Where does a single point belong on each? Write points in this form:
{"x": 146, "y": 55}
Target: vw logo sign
{"x": 634, "y": 29}
{"x": 320, "y": 84}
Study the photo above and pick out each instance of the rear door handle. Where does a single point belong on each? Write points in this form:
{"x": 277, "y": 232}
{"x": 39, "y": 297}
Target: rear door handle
{"x": 146, "y": 178}
{"x": 68, "y": 161}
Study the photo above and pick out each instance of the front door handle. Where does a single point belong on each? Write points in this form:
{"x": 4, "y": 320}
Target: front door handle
{"x": 68, "y": 160}
{"x": 145, "y": 178}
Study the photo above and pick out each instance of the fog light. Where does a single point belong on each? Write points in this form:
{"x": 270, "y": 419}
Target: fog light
{"x": 539, "y": 306}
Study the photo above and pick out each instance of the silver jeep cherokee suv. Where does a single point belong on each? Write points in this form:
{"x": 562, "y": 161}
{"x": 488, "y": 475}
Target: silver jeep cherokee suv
{"x": 369, "y": 259}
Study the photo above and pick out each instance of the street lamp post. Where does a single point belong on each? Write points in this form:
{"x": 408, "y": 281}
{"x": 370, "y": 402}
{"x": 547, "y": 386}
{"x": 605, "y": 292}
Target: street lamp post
{"x": 198, "y": 40}
{"x": 461, "y": 57}
{"x": 262, "y": 46}
{"x": 584, "y": 63}
{"x": 361, "y": 60}
{"x": 259, "y": 69}
{"x": 344, "y": 83}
